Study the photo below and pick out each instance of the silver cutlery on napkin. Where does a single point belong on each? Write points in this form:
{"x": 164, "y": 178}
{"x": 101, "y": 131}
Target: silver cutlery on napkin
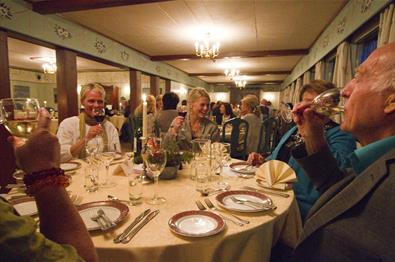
{"x": 131, "y": 234}
{"x": 266, "y": 191}
{"x": 98, "y": 220}
{"x": 109, "y": 223}
{"x": 120, "y": 237}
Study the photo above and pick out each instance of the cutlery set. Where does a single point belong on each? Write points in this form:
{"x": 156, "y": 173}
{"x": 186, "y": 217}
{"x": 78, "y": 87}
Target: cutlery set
{"x": 267, "y": 191}
{"x": 103, "y": 220}
{"x": 240, "y": 222}
{"x": 268, "y": 205}
{"x": 132, "y": 229}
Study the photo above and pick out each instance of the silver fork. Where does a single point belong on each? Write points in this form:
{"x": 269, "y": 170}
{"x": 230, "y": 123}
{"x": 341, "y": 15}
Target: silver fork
{"x": 211, "y": 206}
{"x": 98, "y": 220}
{"x": 250, "y": 203}
{"x": 107, "y": 220}
{"x": 202, "y": 207}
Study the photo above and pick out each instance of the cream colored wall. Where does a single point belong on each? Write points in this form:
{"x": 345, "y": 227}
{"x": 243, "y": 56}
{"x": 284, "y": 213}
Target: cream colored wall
{"x": 273, "y": 97}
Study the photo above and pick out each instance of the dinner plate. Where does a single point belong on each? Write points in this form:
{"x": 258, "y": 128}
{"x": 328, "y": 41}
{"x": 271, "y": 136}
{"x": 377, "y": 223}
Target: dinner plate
{"x": 114, "y": 210}
{"x": 69, "y": 166}
{"x": 243, "y": 168}
{"x": 225, "y": 201}
{"x": 196, "y": 223}
{"x": 25, "y": 206}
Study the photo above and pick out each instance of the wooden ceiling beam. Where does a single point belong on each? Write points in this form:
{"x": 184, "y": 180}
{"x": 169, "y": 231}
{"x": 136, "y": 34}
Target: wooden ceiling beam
{"x": 52, "y": 7}
{"x": 264, "y": 53}
{"x": 245, "y": 73}
{"x": 273, "y": 82}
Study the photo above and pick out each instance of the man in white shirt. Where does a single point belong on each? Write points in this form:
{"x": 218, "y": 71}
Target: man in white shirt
{"x": 75, "y": 132}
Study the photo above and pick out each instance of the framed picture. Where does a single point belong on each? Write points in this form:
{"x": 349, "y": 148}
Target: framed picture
{"x": 21, "y": 91}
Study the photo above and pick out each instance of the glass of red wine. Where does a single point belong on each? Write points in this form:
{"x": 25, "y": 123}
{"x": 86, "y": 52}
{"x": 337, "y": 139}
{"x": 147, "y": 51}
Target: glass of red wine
{"x": 99, "y": 115}
{"x": 183, "y": 112}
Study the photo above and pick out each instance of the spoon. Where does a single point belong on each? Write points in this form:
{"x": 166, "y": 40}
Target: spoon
{"x": 114, "y": 198}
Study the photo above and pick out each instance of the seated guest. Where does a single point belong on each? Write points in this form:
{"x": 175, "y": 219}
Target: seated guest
{"x": 169, "y": 111}
{"x": 226, "y": 112}
{"x": 250, "y": 112}
{"x": 74, "y": 132}
{"x": 353, "y": 220}
{"x": 151, "y": 111}
{"x": 63, "y": 235}
{"x": 195, "y": 124}
{"x": 340, "y": 143}
{"x": 159, "y": 104}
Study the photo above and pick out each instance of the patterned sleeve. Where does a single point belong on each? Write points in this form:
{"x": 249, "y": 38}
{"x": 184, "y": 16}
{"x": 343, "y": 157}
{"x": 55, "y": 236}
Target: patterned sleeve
{"x": 20, "y": 241}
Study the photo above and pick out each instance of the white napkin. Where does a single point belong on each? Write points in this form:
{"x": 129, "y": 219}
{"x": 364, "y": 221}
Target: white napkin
{"x": 276, "y": 174}
{"x": 124, "y": 169}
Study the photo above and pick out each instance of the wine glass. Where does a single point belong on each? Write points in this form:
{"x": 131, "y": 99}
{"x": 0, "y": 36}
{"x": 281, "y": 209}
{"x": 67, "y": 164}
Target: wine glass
{"x": 107, "y": 157}
{"x": 221, "y": 153}
{"x": 19, "y": 115}
{"x": 183, "y": 110}
{"x": 156, "y": 162}
{"x": 99, "y": 115}
{"x": 327, "y": 103}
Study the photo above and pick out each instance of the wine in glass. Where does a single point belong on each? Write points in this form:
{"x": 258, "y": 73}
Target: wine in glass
{"x": 286, "y": 113}
{"x": 99, "y": 114}
{"x": 156, "y": 162}
{"x": 183, "y": 111}
{"x": 327, "y": 103}
{"x": 19, "y": 115}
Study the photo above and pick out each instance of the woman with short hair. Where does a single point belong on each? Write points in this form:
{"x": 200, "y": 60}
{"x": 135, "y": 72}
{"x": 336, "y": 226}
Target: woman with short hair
{"x": 250, "y": 112}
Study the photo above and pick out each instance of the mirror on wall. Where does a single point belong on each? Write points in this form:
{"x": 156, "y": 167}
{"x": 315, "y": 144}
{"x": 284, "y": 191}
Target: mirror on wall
{"x": 33, "y": 72}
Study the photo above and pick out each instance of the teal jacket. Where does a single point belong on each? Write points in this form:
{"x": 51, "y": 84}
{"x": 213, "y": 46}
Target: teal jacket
{"x": 341, "y": 145}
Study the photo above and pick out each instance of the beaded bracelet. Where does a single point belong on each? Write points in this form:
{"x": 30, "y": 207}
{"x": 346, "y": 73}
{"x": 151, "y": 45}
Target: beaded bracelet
{"x": 49, "y": 177}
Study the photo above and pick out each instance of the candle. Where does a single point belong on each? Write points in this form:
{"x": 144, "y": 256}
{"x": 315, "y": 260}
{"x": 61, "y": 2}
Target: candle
{"x": 145, "y": 133}
{"x": 120, "y": 106}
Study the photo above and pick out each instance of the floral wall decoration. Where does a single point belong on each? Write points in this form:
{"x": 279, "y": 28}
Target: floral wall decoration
{"x": 157, "y": 69}
{"x": 124, "y": 56}
{"x": 62, "y": 32}
{"x": 100, "y": 46}
{"x": 341, "y": 25}
{"x": 5, "y": 11}
{"x": 325, "y": 42}
{"x": 365, "y": 5}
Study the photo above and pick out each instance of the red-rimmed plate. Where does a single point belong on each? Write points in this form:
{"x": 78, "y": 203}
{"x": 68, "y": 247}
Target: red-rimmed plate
{"x": 196, "y": 223}
{"x": 243, "y": 168}
{"x": 115, "y": 211}
{"x": 25, "y": 206}
{"x": 224, "y": 199}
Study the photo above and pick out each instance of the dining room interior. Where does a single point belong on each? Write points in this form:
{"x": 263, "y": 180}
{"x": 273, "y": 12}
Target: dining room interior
{"x": 234, "y": 69}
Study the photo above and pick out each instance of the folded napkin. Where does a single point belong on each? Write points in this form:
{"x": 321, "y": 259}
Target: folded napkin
{"x": 124, "y": 168}
{"x": 275, "y": 174}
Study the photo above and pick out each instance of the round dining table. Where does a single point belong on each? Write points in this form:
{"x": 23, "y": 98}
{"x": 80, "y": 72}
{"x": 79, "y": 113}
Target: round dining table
{"x": 156, "y": 242}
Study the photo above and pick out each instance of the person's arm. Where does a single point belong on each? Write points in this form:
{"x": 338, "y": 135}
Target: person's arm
{"x": 59, "y": 219}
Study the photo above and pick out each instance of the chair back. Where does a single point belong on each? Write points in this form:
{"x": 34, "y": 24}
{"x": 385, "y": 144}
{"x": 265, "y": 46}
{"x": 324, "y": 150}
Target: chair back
{"x": 234, "y": 131}
{"x": 268, "y": 137}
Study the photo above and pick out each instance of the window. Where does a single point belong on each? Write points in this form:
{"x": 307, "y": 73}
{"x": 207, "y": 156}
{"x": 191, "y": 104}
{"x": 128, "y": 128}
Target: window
{"x": 330, "y": 65}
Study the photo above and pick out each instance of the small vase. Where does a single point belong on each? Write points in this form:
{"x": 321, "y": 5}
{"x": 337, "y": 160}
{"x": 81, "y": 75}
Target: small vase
{"x": 170, "y": 172}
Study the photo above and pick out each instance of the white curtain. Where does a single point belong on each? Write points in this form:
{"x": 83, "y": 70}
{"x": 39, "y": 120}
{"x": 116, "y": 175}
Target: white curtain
{"x": 387, "y": 26}
{"x": 342, "y": 73}
{"x": 306, "y": 77}
{"x": 319, "y": 70}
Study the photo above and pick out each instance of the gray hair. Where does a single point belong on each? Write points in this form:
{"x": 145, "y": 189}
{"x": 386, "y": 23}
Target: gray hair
{"x": 92, "y": 87}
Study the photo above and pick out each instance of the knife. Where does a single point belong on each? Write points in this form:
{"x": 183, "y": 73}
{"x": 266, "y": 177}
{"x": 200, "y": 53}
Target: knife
{"x": 140, "y": 226}
{"x": 140, "y": 217}
{"x": 266, "y": 191}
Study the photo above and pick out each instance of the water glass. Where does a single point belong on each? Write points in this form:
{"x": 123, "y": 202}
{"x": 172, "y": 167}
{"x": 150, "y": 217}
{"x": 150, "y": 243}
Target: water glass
{"x": 135, "y": 189}
{"x": 202, "y": 171}
{"x": 91, "y": 179}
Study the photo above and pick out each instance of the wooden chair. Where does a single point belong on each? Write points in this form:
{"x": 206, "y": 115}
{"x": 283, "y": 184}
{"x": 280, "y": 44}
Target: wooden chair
{"x": 268, "y": 138}
{"x": 234, "y": 131}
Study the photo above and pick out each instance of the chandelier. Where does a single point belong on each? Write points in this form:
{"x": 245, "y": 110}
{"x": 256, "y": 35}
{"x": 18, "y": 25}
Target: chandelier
{"x": 232, "y": 73}
{"x": 49, "y": 68}
{"x": 240, "y": 82}
{"x": 206, "y": 48}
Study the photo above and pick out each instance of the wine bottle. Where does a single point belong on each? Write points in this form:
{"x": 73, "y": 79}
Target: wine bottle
{"x": 137, "y": 146}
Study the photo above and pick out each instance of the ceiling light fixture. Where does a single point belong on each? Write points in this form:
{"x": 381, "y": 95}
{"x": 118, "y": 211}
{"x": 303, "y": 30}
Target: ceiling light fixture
{"x": 240, "y": 82}
{"x": 206, "y": 48}
{"x": 232, "y": 73}
{"x": 48, "y": 64}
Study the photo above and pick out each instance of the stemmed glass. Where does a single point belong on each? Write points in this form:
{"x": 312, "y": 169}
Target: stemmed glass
{"x": 183, "y": 110}
{"x": 221, "y": 153}
{"x": 286, "y": 113}
{"x": 327, "y": 103}
{"x": 156, "y": 162}
{"x": 20, "y": 117}
{"x": 99, "y": 115}
{"x": 107, "y": 157}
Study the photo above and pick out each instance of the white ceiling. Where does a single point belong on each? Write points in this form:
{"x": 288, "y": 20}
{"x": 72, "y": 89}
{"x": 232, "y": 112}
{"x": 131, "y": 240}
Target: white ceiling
{"x": 172, "y": 27}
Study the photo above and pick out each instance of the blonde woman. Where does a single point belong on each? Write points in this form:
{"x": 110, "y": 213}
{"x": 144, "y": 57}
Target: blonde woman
{"x": 249, "y": 111}
{"x": 194, "y": 124}
{"x": 74, "y": 132}
{"x": 151, "y": 112}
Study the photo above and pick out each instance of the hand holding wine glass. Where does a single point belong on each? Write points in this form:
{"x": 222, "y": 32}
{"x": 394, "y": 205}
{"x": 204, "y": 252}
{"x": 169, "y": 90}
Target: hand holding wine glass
{"x": 99, "y": 115}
